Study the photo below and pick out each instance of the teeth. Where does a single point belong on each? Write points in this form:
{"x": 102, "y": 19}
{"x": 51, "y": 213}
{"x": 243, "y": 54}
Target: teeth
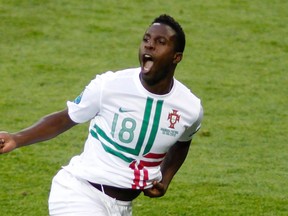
{"x": 147, "y": 57}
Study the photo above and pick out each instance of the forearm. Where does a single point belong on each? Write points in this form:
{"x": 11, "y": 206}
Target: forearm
{"x": 46, "y": 128}
{"x": 173, "y": 161}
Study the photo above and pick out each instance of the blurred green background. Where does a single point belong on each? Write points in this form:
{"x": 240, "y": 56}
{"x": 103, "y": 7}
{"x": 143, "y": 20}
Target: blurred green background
{"x": 235, "y": 61}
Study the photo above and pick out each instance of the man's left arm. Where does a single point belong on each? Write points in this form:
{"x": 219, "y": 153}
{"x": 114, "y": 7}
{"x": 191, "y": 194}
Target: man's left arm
{"x": 169, "y": 167}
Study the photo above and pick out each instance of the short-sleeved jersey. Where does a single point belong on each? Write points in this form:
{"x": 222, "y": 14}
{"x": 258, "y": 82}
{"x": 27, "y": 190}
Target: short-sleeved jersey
{"x": 131, "y": 129}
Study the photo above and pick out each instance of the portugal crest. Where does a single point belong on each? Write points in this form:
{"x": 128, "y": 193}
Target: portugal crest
{"x": 173, "y": 118}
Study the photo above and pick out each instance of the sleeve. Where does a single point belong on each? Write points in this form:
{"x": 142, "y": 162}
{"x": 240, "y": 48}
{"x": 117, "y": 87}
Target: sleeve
{"x": 190, "y": 131}
{"x": 88, "y": 103}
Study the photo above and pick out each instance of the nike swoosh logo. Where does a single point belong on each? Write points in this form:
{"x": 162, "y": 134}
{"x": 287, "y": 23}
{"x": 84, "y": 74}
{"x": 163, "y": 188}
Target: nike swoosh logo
{"x": 123, "y": 110}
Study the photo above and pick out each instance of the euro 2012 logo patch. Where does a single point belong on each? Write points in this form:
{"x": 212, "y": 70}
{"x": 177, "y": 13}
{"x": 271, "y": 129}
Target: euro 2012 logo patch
{"x": 78, "y": 99}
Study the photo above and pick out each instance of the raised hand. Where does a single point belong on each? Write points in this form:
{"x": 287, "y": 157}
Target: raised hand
{"x": 7, "y": 143}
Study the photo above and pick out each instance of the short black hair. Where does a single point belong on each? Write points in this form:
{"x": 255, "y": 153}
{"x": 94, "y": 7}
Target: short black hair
{"x": 170, "y": 21}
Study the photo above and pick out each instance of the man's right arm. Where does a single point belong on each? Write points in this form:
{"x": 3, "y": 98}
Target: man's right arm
{"x": 46, "y": 128}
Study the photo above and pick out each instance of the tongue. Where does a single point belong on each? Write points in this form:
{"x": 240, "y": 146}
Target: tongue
{"x": 147, "y": 66}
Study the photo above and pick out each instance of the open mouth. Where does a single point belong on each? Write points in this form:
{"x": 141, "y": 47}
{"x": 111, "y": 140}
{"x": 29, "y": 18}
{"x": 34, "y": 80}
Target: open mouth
{"x": 147, "y": 62}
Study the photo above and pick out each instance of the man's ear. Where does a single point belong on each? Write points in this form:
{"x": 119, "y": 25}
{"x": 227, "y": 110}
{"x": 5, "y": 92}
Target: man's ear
{"x": 177, "y": 57}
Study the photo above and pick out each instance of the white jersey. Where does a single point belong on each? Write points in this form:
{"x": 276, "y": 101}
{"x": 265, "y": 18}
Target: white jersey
{"x": 131, "y": 129}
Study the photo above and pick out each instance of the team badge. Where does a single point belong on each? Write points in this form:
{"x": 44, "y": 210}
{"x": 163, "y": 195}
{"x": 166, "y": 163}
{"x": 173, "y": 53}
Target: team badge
{"x": 173, "y": 118}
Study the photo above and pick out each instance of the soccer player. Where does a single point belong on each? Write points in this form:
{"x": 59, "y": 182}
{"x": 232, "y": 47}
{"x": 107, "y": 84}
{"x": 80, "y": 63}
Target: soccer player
{"x": 141, "y": 125}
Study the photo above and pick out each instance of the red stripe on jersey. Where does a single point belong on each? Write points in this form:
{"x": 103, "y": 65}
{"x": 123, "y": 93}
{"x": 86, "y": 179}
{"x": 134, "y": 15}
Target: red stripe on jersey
{"x": 154, "y": 155}
{"x": 137, "y": 175}
{"x": 145, "y": 177}
{"x": 150, "y": 163}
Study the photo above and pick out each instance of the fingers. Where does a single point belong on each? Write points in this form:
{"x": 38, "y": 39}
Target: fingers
{"x": 2, "y": 141}
{"x": 157, "y": 190}
{"x": 159, "y": 186}
{"x": 3, "y": 136}
{"x": 6, "y": 143}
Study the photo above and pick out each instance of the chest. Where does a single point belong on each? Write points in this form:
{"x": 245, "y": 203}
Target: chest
{"x": 142, "y": 124}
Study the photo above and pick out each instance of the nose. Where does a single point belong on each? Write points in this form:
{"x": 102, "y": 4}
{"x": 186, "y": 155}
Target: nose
{"x": 149, "y": 45}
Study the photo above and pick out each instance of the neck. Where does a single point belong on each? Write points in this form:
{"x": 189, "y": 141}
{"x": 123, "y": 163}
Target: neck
{"x": 160, "y": 88}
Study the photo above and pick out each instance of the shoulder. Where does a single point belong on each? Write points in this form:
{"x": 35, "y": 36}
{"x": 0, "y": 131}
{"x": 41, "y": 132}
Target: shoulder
{"x": 190, "y": 103}
{"x": 115, "y": 80}
{"x": 185, "y": 94}
{"x": 116, "y": 75}
{"x": 128, "y": 71}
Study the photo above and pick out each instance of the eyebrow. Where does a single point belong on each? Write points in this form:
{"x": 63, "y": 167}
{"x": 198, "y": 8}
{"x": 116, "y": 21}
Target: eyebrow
{"x": 157, "y": 37}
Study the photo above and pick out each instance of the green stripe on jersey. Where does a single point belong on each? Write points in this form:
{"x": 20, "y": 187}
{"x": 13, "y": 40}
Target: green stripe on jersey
{"x": 154, "y": 127}
{"x": 145, "y": 124}
{"x": 110, "y": 150}
{"x": 143, "y": 133}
